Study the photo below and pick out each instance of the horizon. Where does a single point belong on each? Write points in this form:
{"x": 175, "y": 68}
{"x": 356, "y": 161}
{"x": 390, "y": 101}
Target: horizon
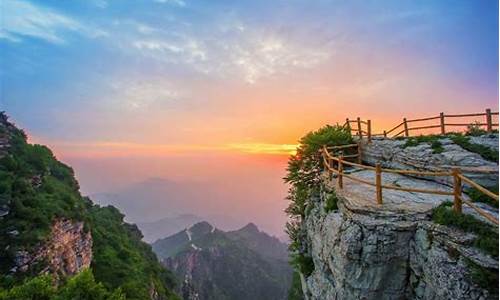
{"x": 213, "y": 97}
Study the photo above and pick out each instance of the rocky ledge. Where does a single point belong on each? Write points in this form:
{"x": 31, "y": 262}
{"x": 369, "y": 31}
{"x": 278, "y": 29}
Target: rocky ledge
{"x": 371, "y": 254}
{"x": 398, "y": 154}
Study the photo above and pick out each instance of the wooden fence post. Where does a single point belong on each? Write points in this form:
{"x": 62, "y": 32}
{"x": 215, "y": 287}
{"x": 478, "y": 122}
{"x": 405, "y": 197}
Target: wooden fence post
{"x": 457, "y": 191}
{"x": 347, "y": 123}
{"x": 340, "y": 170}
{"x": 369, "y": 129}
{"x": 359, "y": 152}
{"x": 359, "y": 128}
{"x": 330, "y": 173}
{"x": 488, "y": 121}
{"x": 441, "y": 117}
{"x": 378, "y": 182}
{"x": 405, "y": 124}
{"x": 385, "y": 134}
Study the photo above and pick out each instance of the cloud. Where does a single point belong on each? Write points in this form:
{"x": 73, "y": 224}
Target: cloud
{"x": 266, "y": 57}
{"x": 142, "y": 95}
{"x": 22, "y": 19}
{"x": 184, "y": 51}
{"x": 181, "y": 3}
{"x": 249, "y": 56}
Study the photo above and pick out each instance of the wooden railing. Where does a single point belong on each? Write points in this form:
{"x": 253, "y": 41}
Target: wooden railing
{"x": 455, "y": 173}
{"x": 443, "y": 121}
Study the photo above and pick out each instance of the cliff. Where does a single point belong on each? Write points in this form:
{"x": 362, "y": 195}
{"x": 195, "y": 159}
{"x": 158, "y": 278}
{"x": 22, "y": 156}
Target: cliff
{"x": 413, "y": 246}
{"x": 52, "y": 237}
{"x": 67, "y": 251}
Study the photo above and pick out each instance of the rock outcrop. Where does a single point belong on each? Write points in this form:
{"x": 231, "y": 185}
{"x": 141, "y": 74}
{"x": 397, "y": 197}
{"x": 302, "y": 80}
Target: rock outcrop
{"x": 392, "y": 153}
{"x": 66, "y": 252}
{"x": 363, "y": 250}
{"x": 375, "y": 255}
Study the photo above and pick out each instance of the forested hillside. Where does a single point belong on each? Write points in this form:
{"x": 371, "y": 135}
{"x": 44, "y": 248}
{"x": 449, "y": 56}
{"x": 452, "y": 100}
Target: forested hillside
{"x": 52, "y": 236}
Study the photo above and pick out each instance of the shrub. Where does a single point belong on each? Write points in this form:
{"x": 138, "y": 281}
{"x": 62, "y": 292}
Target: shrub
{"x": 474, "y": 129}
{"x": 432, "y": 140}
{"x": 485, "y": 152}
{"x": 486, "y": 236}
{"x": 295, "y": 292}
{"x": 478, "y": 196}
{"x": 303, "y": 175}
{"x": 331, "y": 202}
{"x": 303, "y": 263}
{"x": 81, "y": 286}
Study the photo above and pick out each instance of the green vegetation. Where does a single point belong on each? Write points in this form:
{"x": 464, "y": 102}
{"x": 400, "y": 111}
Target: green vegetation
{"x": 303, "y": 263}
{"x": 121, "y": 259}
{"x": 485, "y": 278}
{"x": 331, "y": 202}
{"x": 478, "y": 196}
{"x": 37, "y": 189}
{"x": 432, "y": 140}
{"x": 458, "y": 138}
{"x": 474, "y": 129}
{"x": 486, "y": 236}
{"x": 303, "y": 175}
{"x": 295, "y": 292}
{"x": 81, "y": 286}
{"x": 485, "y": 152}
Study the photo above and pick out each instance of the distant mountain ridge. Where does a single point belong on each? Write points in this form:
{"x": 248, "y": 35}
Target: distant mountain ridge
{"x": 213, "y": 264}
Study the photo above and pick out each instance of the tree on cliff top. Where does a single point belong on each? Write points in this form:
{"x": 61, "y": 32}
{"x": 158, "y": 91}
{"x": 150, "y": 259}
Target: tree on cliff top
{"x": 303, "y": 176}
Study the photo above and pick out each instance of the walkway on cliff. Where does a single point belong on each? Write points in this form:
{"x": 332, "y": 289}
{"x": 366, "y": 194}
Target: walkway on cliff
{"x": 361, "y": 197}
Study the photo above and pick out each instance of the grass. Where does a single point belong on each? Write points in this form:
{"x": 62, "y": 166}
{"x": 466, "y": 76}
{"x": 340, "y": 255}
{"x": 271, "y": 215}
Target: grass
{"x": 432, "y": 140}
{"x": 458, "y": 138}
{"x": 486, "y": 236}
{"x": 477, "y": 196}
{"x": 331, "y": 202}
{"x": 484, "y": 151}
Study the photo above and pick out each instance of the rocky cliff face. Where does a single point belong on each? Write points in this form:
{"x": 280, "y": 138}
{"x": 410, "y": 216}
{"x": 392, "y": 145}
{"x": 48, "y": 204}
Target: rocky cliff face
{"x": 66, "y": 252}
{"x": 372, "y": 256}
{"x": 369, "y": 252}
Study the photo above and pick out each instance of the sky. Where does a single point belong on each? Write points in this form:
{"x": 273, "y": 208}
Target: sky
{"x": 220, "y": 91}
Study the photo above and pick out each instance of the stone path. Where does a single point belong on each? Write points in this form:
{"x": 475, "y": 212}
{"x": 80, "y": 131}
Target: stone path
{"x": 359, "y": 196}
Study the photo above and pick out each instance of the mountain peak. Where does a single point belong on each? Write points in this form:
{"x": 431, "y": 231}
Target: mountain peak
{"x": 250, "y": 227}
{"x": 202, "y": 227}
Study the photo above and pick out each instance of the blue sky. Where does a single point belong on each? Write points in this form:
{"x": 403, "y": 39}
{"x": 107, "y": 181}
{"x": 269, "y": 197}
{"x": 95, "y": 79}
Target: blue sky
{"x": 128, "y": 64}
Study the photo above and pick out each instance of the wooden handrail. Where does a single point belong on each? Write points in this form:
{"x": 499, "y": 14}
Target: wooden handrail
{"x": 423, "y": 119}
{"x": 480, "y": 211}
{"x": 342, "y": 146}
{"x": 465, "y": 115}
{"x": 442, "y": 124}
{"x": 395, "y": 128}
{"x": 423, "y": 191}
{"x": 358, "y": 179}
{"x": 480, "y": 188}
{"x": 455, "y": 174}
{"x": 465, "y": 124}
{"x": 421, "y": 173}
{"x": 423, "y": 127}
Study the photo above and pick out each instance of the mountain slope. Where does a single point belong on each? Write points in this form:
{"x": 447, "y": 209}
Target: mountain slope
{"x": 46, "y": 226}
{"x": 241, "y": 264}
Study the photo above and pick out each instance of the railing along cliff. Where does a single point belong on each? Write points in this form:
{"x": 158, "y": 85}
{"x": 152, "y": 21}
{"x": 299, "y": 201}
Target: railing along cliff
{"x": 364, "y": 128}
{"x": 455, "y": 173}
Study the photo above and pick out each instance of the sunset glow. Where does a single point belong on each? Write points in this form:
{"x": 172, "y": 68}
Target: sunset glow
{"x": 114, "y": 87}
